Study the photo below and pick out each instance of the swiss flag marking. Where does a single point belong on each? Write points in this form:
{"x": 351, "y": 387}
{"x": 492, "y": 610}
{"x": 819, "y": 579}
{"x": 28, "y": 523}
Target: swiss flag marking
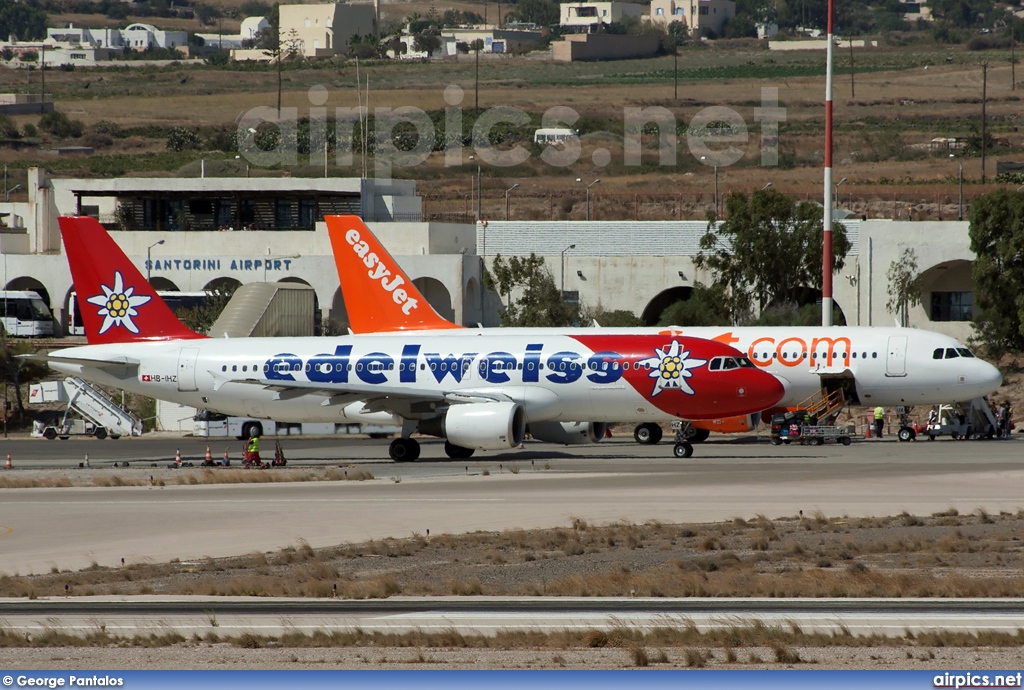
{"x": 146, "y": 377}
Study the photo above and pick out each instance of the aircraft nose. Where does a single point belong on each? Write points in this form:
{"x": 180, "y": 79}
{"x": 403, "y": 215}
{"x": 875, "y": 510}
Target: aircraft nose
{"x": 989, "y": 378}
{"x": 766, "y": 390}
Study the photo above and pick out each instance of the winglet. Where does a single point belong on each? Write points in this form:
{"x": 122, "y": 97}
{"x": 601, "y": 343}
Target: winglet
{"x": 117, "y": 304}
{"x": 379, "y": 296}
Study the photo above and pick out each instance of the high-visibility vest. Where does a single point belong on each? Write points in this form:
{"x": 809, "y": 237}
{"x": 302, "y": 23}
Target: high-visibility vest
{"x": 254, "y": 444}
{"x": 879, "y": 413}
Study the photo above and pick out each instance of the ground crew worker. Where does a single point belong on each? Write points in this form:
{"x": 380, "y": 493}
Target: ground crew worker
{"x": 254, "y": 450}
{"x": 879, "y": 421}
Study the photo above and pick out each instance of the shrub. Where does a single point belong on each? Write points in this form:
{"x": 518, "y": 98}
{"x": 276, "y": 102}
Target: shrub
{"x": 8, "y": 128}
{"x": 183, "y": 139}
{"x": 60, "y": 125}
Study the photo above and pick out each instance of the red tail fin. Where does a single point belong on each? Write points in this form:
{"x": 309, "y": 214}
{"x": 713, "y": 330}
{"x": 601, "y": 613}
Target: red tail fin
{"x": 117, "y": 304}
{"x": 379, "y": 296}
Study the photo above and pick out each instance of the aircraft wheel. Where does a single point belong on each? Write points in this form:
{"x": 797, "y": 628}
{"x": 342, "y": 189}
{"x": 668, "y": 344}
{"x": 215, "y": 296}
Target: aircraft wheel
{"x": 698, "y": 435}
{"x": 100, "y": 433}
{"x": 404, "y": 450}
{"x": 776, "y": 441}
{"x": 114, "y": 437}
{"x": 252, "y": 429}
{"x": 647, "y": 434}
{"x": 905, "y": 434}
{"x": 457, "y": 452}
{"x": 682, "y": 450}
{"x": 50, "y": 434}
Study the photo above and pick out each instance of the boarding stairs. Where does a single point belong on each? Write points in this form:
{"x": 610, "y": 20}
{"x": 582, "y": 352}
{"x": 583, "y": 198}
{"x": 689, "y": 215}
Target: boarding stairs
{"x": 95, "y": 406}
{"x": 824, "y": 405}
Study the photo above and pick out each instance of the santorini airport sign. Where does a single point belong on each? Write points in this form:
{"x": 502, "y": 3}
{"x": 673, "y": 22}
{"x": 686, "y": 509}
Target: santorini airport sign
{"x": 219, "y": 265}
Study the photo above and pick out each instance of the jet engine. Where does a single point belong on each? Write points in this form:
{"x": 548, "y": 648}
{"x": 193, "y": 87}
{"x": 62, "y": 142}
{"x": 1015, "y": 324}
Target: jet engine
{"x": 568, "y": 433}
{"x": 485, "y": 426}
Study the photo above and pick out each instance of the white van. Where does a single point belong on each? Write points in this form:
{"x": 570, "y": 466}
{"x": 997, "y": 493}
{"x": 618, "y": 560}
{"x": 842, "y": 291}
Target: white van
{"x": 23, "y": 313}
{"x": 554, "y": 135}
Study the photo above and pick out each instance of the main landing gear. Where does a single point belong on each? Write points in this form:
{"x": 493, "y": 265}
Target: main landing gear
{"x": 647, "y": 434}
{"x": 408, "y": 450}
{"x": 404, "y": 450}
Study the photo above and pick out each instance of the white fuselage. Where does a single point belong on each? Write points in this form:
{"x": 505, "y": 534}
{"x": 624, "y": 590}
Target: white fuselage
{"x": 366, "y": 378}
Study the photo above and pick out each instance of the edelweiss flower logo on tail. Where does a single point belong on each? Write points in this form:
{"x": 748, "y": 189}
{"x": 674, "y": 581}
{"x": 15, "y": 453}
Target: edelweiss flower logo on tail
{"x": 117, "y": 305}
{"x": 671, "y": 368}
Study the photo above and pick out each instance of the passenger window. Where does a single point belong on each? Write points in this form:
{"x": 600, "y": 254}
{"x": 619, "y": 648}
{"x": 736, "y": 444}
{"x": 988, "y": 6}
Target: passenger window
{"x": 359, "y": 367}
{"x": 245, "y": 368}
{"x": 266, "y": 367}
{"x": 327, "y": 368}
{"x": 422, "y": 366}
{"x": 874, "y": 355}
{"x": 224, "y": 367}
{"x": 234, "y": 367}
{"x": 433, "y": 366}
{"x": 391, "y": 366}
{"x": 625, "y": 365}
{"x": 307, "y": 367}
{"x": 529, "y": 366}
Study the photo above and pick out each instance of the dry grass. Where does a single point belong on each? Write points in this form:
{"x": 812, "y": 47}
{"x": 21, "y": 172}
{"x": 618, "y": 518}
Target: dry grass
{"x": 692, "y": 646}
{"x": 902, "y": 556}
{"x": 187, "y": 477}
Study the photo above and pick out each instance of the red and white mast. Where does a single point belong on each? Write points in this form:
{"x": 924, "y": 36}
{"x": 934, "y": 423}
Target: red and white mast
{"x": 826, "y": 259}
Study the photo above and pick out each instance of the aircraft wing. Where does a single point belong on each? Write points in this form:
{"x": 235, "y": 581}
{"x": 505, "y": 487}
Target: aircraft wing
{"x": 402, "y": 401}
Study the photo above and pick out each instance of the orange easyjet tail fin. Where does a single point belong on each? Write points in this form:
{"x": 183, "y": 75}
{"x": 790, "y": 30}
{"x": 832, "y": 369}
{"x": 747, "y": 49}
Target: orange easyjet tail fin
{"x": 379, "y": 296}
{"x": 117, "y": 304}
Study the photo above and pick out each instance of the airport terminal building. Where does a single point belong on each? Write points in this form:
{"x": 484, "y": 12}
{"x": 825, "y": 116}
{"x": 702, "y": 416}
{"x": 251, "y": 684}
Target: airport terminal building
{"x": 193, "y": 234}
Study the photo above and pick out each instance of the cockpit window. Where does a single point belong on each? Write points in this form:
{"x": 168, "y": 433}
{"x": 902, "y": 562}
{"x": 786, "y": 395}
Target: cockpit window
{"x": 729, "y": 363}
{"x": 951, "y": 353}
{"x": 938, "y": 353}
{"x": 964, "y": 352}
{"x": 745, "y": 363}
{"x": 715, "y": 364}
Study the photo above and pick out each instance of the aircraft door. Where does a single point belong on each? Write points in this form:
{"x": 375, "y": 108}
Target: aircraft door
{"x": 187, "y": 368}
{"x": 896, "y": 358}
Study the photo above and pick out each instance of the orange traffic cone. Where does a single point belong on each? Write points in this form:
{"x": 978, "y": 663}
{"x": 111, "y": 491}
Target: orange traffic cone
{"x": 177, "y": 457}
{"x": 7, "y": 465}
{"x": 209, "y": 458}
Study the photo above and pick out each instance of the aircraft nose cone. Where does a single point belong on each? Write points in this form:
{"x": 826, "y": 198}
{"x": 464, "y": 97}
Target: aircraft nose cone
{"x": 990, "y": 378}
{"x": 767, "y": 390}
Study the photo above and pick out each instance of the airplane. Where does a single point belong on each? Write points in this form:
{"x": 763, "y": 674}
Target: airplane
{"x": 477, "y": 389}
{"x": 874, "y": 366}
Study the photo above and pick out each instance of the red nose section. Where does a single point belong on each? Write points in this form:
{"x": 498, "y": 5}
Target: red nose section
{"x": 689, "y": 378}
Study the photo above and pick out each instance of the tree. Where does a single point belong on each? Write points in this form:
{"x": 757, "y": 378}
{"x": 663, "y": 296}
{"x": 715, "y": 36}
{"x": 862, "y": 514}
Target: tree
{"x": 427, "y": 41}
{"x": 768, "y": 250}
{"x": 539, "y": 302}
{"x": 904, "y": 286}
{"x": 617, "y": 318}
{"x": 17, "y": 371}
{"x": 997, "y": 235}
{"x": 539, "y": 12}
{"x": 202, "y": 317}
{"x": 22, "y": 20}
{"x": 706, "y": 306}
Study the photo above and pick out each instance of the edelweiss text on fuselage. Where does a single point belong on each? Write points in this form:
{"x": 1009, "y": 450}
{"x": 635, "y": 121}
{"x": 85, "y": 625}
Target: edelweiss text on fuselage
{"x": 493, "y": 367}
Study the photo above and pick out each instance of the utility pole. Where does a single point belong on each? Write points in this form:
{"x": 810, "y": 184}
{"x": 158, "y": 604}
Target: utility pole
{"x": 1013, "y": 59}
{"x": 42, "y": 80}
{"x": 984, "y": 96}
{"x": 675, "y": 69}
{"x": 852, "y": 92}
{"x": 476, "y": 81}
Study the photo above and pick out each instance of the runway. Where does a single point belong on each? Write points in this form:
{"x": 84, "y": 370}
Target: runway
{"x": 541, "y": 486}
{"x": 489, "y": 615}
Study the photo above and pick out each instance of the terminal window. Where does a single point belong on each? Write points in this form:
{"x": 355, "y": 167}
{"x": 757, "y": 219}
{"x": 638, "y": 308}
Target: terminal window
{"x": 952, "y": 306}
